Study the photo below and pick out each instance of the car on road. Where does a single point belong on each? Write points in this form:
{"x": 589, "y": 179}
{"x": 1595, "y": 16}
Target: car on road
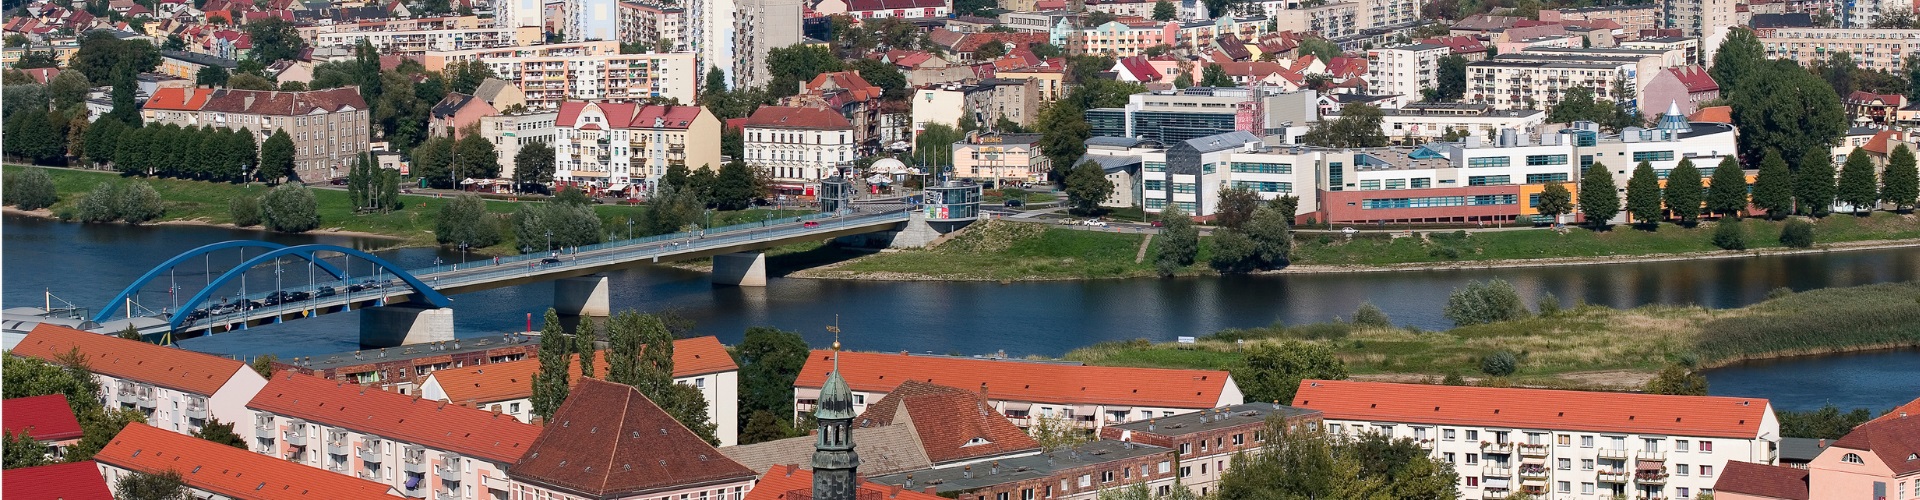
{"x": 1094, "y": 223}
{"x": 811, "y": 223}
{"x": 1157, "y": 223}
{"x": 325, "y": 291}
{"x": 1015, "y": 203}
{"x": 550, "y": 260}
{"x": 339, "y": 182}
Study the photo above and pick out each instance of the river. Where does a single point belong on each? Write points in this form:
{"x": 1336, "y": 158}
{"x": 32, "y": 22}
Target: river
{"x": 87, "y": 265}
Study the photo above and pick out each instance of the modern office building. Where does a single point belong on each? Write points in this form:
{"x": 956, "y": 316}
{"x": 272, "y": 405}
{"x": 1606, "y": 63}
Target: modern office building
{"x": 1170, "y": 116}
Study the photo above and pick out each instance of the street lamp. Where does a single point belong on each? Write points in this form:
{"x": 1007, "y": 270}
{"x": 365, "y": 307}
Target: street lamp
{"x": 629, "y": 229}
{"x": 280, "y": 306}
{"x": 549, "y": 241}
{"x": 463, "y": 253}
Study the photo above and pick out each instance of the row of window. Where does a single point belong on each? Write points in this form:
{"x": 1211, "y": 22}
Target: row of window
{"x": 1440, "y": 201}
{"x": 1261, "y": 168}
{"x": 1265, "y": 187}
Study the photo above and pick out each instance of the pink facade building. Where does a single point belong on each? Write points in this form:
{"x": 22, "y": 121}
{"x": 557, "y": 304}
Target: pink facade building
{"x": 1684, "y": 86}
{"x": 1878, "y": 460}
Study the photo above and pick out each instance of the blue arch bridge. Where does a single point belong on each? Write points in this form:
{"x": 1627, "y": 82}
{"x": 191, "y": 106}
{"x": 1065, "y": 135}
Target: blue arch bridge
{"x": 406, "y": 306}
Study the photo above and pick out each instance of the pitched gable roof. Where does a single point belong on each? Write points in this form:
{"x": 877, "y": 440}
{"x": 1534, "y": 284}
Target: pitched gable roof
{"x": 608, "y": 440}
{"x": 872, "y": 5}
{"x": 45, "y": 418}
{"x": 1715, "y": 114}
{"x": 433, "y": 424}
{"x": 1710, "y": 416}
{"x": 178, "y": 99}
{"x": 264, "y": 102}
{"x": 807, "y": 118}
{"x": 631, "y": 115}
{"x": 953, "y": 424}
{"x": 229, "y": 471}
{"x": 64, "y": 481}
{"x": 1896, "y": 440}
{"x": 1024, "y": 381}
{"x": 451, "y": 104}
{"x": 1140, "y": 69}
{"x": 790, "y": 482}
{"x": 178, "y": 369}
{"x": 883, "y": 450}
{"x": 514, "y": 379}
{"x": 847, "y": 80}
{"x": 1771, "y": 481}
{"x": 1694, "y": 78}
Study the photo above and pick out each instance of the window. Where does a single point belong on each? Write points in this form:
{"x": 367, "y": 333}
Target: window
{"x": 1422, "y": 182}
{"x": 1369, "y": 184}
{"x": 1106, "y": 477}
{"x": 859, "y": 399}
{"x": 1706, "y": 446}
{"x": 1184, "y": 187}
{"x": 1586, "y": 488}
{"x": 1086, "y": 480}
{"x": 1154, "y": 185}
{"x": 1586, "y": 441}
{"x": 1563, "y": 440}
{"x": 1164, "y": 466}
{"x": 1680, "y": 446}
{"x": 1851, "y": 458}
{"x": 1156, "y": 166}
{"x": 1563, "y": 486}
{"x": 1446, "y": 434}
{"x": 1546, "y": 178}
{"x": 1586, "y": 464}
{"x": 1640, "y": 156}
{"x": 1473, "y": 435}
{"x": 1565, "y": 464}
{"x": 1261, "y": 168}
{"x": 1706, "y": 471}
{"x": 1473, "y": 458}
{"x": 1473, "y": 481}
{"x": 1449, "y": 457}
{"x": 513, "y": 408}
{"x": 1489, "y": 161}
{"x": 1544, "y": 160}
{"x": 1489, "y": 180}
{"x": 1396, "y": 183}
{"x": 1681, "y": 492}
{"x": 1649, "y": 444}
{"x": 1680, "y": 469}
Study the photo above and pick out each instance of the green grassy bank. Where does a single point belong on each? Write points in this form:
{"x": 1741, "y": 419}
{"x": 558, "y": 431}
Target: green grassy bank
{"x": 1578, "y": 346}
{"x": 998, "y": 250}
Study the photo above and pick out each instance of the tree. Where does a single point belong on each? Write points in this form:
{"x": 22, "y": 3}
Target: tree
{"x": 1164, "y": 10}
{"x": 990, "y": 51}
{"x": 1233, "y": 252}
{"x": 249, "y": 81}
{"x": 101, "y": 204}
{"x": 1787, "y": 108}
{"x": 1901, "y": 184}
{"x": 474, "y": 158}
{"x": 220, "y": 432}
{"x": 465, "y": 77}
{"x": 1183, "y": 80}
{"x": 1859, "y": 186}
{"x": 1480, "y": 302}
{"x": 465, "y": 221}
{"x": 1053, "y": 433}
{"x": 101, "y": 139}
{"x": 550, "y": 383}
{"x": 32, "y": 134}
{"x": 1273, "y": 371}
{"x": 1371, "y": 315}
{"x": 1272, "y": 235}
{"x": 797, "y": 64}
{"x": 398, "y": 106}
{"x": 1235, "y": 207}
{"x": 106, "y": 58}
{"x": 1215, "y": 75}
{"x": 586, "y": 338}
{"x": 433, "y": 160}
{"x": 1798, "y": 233}
{"x": 1088, "y": 186}
{"x": 1678, "y": 380}
{"x": 1359, "y": 126}
{"x": 1773, "y": 188}
{"x": 1727, "y": 195}
{"x": 1063, "y": 131}
{"x": 23, "y": 97}
{"x": 1825, "y": 423}
{"x": 31, "y": 189}
{"x": 1304, "y": 462}
{"x": 1499, "y": 364}
{"x": 1740, "y": 56}
{"x": 68, "y": 88}
{"x": 533, "y": 165}
{"x": 276, "y": 157}
{"x": 762, "y": 426}
{"x": 734, "y": 187}
{"x": 1451, "y": 79}
{"x": 770, "y": 360}
{"x": 140, "y": 203}
{"x": 165, "y": 485}
{"x": 1728, "y": 234}
{"x": 22, "y": 450}
{"x": 1643, "y": 195}
{"x": 1813, "y": 186}
{"x": 1180, "y": 242}
{"x": 1683, "y": 193}
{"x": 212, "y": 76}
{"x": 1319, "y": 48}
{"x": 1579, "y": 104}
{"x": 1555, "y": 200}
{"x": 689, "y": 407}
{"x": 290, "y": 208}
{"x": 263, "y": 365}
{"x": 274, "y": 39}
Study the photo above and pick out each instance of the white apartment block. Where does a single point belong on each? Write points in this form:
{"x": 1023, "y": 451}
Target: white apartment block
{"x": 1878, "y": 49}
{"x": 1191, "y": 173}
{"x": 1330, "y": 20}
{"x": 510, "y": 132}
{"x": 1571, "y": 445}
{"x": 437, "y": 60}
{"x": 1391, "y": 12}
{"x": 1405, "y": 71}
{"x": 1709, "y": 20}
{"x": 615, "y": 145}
{"x": 1511, "y": 83}
{"x": 550, "y": 80}
{"x": 710, "y": 29}
{"x": 797, "y": 145}
{"x": 422, "y": 41}
{"x": 1426, "y": 122}
{"x": 944, "y": 104}
{"x": 177, "y": 390}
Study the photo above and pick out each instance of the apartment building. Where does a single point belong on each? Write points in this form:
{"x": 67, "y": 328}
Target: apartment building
{"x": 1685, "y": 86}
{"x": 917, "y": 426}
{"x": 1086, "y": 397}
{"x": 1631, "y": 18}
{"x": 215, "y": 470}
{"x": 1330, "y": 19}
{"x": 759, "y": 26}
{"x": 507, "y": 388}
{"x": 617, "y": 78}
{"x": 1877, "y": 49}
{"x": 1001, "y": 157}
{"x": 59, "y": 481}
{"x": 1708, "y": 20}
{"x": 401, "y": 369}
{"x": 1405, "y": 71}
{"x": 653, "y": 23}
{"x": 1508, "y": 82}
{"x": 878, "y": 9}
{"x": 942, "y": 103}
{"x": 798, "y": 147}
{"x": 178, "y": 390}
{"x": 789, "y": 482}
{"x": 1688, "y": 46}
{"x": 329, "y": 127}
{"x": 1567, "y": 444}
{"x": 47, "y": 420}
{"x": 188, "y": 64}
{"x": 1190, "y": 174}
{"x": 1873, "y": 458}
{"x": 1208, "y": 442}
{"x": 614, "y": 145}
{"x": 399, "y": 441}
{"x": 609, "y": 442}
{"x": 511, "y": 131}
{"x": 1422, "y": 122}
{"x": 397, "y": 23}
{"x": 437, "y": 60}
{"x": 414, "y": 42}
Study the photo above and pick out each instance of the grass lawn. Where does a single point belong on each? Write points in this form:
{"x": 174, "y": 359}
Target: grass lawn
{"x": 1445, "y": 246}
{"x": 998, "y": 250}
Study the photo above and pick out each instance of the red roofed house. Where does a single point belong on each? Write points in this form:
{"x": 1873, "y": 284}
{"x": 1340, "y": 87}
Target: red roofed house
{"x": 421, "y": 447}
{"x": 1745, "y": 481}
{"x": 63, "y": 481}
{"x": 856, "y": 99}
{"x": 214, "y": 470}
{"x": 1867, "y": 108}
{"x": 876, "y": 9}
{"x": 1687, "y": 85}
{"x": 328, "y": 127}
{"x": 790, "y": 482}
{"x": 508, "y": 387}
{"x": 1086, "y": 396}
{"x": 47, "y": 419}
{"x": 177, "y": 389}
{"x": 609, "y": 442}
{"x": 798, "y": 146}
{"x": 1879, "y": 459}
{"x": 603, "y": 145}
{"x": 949, "y": 422}
{"x": 1537, "y": 440}
{"x": 1135, "y": 69}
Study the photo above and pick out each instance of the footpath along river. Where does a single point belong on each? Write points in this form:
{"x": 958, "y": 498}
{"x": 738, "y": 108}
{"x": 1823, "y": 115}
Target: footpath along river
{"x": 88, "y": 264}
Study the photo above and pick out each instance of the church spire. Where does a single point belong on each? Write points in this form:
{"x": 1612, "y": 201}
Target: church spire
{"x": 835, "y": 464}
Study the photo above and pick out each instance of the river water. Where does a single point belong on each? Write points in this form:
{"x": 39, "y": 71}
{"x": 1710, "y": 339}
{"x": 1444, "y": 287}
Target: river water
{"x": 87, "y": 265}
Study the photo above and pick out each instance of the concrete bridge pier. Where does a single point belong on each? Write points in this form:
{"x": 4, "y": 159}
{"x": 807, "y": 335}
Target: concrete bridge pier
{"x": 582, "y": 296}
{"x": 740, "y": 269}
{"x": 403, "y": 324}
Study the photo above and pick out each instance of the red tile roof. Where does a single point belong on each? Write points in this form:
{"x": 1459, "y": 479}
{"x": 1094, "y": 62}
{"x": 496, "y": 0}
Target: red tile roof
{"x": 1882, "y": 142}
{"x": 849, "y": 80}
{"x": 1347, "y": 67}
{"x": 263, "y": 102}
{"x": 514, "y": 379}
{"x": 790, "y": 482}
{"x": 1460, "y": 44}
{"x": 230, "y": 471}
{"x": 973, "y": 41}
{"x": 1896, "y": 440}
{"x": 67, "y": 481}
{"x": 178, "y": 369}
{"x": 433, "y": 424}
{"x": 46, "y": 418}
{"x": 1709, "y": 416}
{"x": 178, "y": 99}
{"x": 1024, "y": 381}
{"x": 42, "y": 75}
{"x": 1911, "y": 408}
{"x": 631, "y": 115}
{"x": 1715, "y": 114}
{"x": 1771, "y": 481}
{"x": 1694, "y": 78}
{"x": 1138, "y": 67}
{"x": 608, "y": 440}
{"x": 798, "y": 118}
{"x": 949, "y": 420}
{"x": 874, "y": 5}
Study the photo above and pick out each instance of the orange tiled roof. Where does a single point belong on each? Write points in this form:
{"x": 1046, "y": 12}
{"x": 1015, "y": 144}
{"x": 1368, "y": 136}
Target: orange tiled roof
{"x": 1023, "y": 381}
{"x": 781, "y": 481}
{"x": 1896, "y": 440}
{"x": 178, "y": 369}
{"x": 434, "y": 424}
{"x": 514, "y": 379}
{"x": 1710, "y": 416}
{"x": 230, "y": 471}
{"x": 1715, "y": 114}
{"x": 64, "y": 481}
{"x": 178, "y": 99}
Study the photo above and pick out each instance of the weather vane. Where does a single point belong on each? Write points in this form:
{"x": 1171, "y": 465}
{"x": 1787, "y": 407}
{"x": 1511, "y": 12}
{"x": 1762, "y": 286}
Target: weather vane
{"x": 835, "y": 328}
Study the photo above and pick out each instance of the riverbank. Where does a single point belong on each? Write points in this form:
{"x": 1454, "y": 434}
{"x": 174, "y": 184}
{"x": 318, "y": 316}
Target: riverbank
{"x": 1585, "y": 346}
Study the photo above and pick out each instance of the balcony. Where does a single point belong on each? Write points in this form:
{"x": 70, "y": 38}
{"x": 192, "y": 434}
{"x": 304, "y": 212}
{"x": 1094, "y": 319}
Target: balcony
{"x": 447, "y": 472}
{"x": 1495, "y": 471}
{"x": 1494, "y": 494}
{"x": 296, "y": 435}
{"x": 337, "y": 446}
{"x": 1614, "y": 476}
{"x": 1534, "y": 474}
{"x": 1613, "y": 453}
{"x": 369, "y": 455}
{"x": 495, "y": 483}
{"x": 197, "y": 410}
{"x": 1533, "y": 450}
{"x": 1496, "y": 448}
{"x": 1650, "y": 477}
{"x": 337, "y": 465}
{"x": 446, "y": 494}
{"x": 369, "y": 474}
{"x": 1651, "y": 456}
{"x": 416, "y": 464}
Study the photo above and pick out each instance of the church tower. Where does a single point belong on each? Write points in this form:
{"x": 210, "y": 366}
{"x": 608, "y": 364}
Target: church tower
{"x": 834, "y": 461}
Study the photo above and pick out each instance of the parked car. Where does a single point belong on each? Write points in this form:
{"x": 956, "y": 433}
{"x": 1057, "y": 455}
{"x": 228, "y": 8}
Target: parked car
{"x": 325, "y": 291}
{"x": 1015, "y": 203}
{"x": 1159, "y": 224}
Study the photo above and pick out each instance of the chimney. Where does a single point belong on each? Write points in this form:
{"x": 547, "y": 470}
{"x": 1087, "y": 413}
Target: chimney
{"x": 968, "y": 473}
{"x": 983, "y": 390}
{"x": 909, "y": 480}
{"x": 1822, "y": 443}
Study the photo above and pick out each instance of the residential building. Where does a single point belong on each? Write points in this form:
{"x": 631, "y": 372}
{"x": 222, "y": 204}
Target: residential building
{"x": 61, "y": 481}
{"x": 1875, "y": 110}
{"x": 1882, "y": 49}
{"x": 414, "y": 42}
{"x": 917, "y": 426}
{"x": 329, "y": 127}
{"x": 458, "y": 113}
{"x": 176, "y": 389}
{"x": 1079, "y": 472}
{"x": 1568, "y": 444}
{"x": 1632, "y": 18}
{"x": 798, "y": 147}
{"x": 944, "y": 104}
{"x": 1000, "y": 157}
{"x": 1122, "y": 159}
{"x": 389, "y": 438}
{"x": 1329, "y": 19}
{"x": 603, "y": 145}
{"x": 792, "y": 482}
{"x": 1421, "y": 122}
{"x": 188, "y": 64}
{"x": 1085, "y": 396}
{"x": 1685, "y": 86}
{"x": 1405, "y": 71}
{"x": 1751, "y": 481}
{"x": 507, "y": 388}
{"x": 215, "y": 470}
{"x": 877, "y": 9}
{"x": 652, "y": 23}
{"x": 550, "y": 80}
{"x": 1190, "y": 174}
{"x": 1125, "y": 8}
{"x": 437, "y": 60}
{"x": 1208, "y": 443}
{"x": 609, "y": 442}
{"x": 402, "y": 369}
{"x": 851, "y": 95}
{"x": 1685, "y": 45}
{"x": 1049, "y": 81}
{"x": 512, "y": 131}
{"x": 1878, "y": 459}
{"x": 711, "y": 32}
{"x": 995, "y": 99}
{"x": 759, "y": 26}
{"x": 1509, "y": 82}
{"x": 1467, "y": 47}
{"x": 48, "y": 420}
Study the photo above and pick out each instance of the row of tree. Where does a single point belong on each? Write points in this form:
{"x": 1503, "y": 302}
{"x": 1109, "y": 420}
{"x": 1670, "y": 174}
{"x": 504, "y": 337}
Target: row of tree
{"x": 639, "y": 354}
{"x": 371, "y": 187}
{"x": 444, "y": 162}
{"x": 1811, "y": 190}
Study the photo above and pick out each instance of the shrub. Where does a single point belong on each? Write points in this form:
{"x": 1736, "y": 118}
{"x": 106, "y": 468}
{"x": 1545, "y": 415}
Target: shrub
{"x": 100, "y": 204}
{"x": 1549, "y": 304}
{"x": 1453, "y": 378}
{"x": 245, "y": 211}
{"x": 1797, "y": 234}
{"x": 31, "y": 189}
{"x": 1371, "y": 315}
{"x": 289, "y": 208}
{"x": 1728, "y": 234}
{"x": 1777, "y": 293}
{"x": 465, "y": 220}
{"x": 1485, "y": 302}
{"x": 140, "y": 203}
{"x": 1500, "y": 364}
